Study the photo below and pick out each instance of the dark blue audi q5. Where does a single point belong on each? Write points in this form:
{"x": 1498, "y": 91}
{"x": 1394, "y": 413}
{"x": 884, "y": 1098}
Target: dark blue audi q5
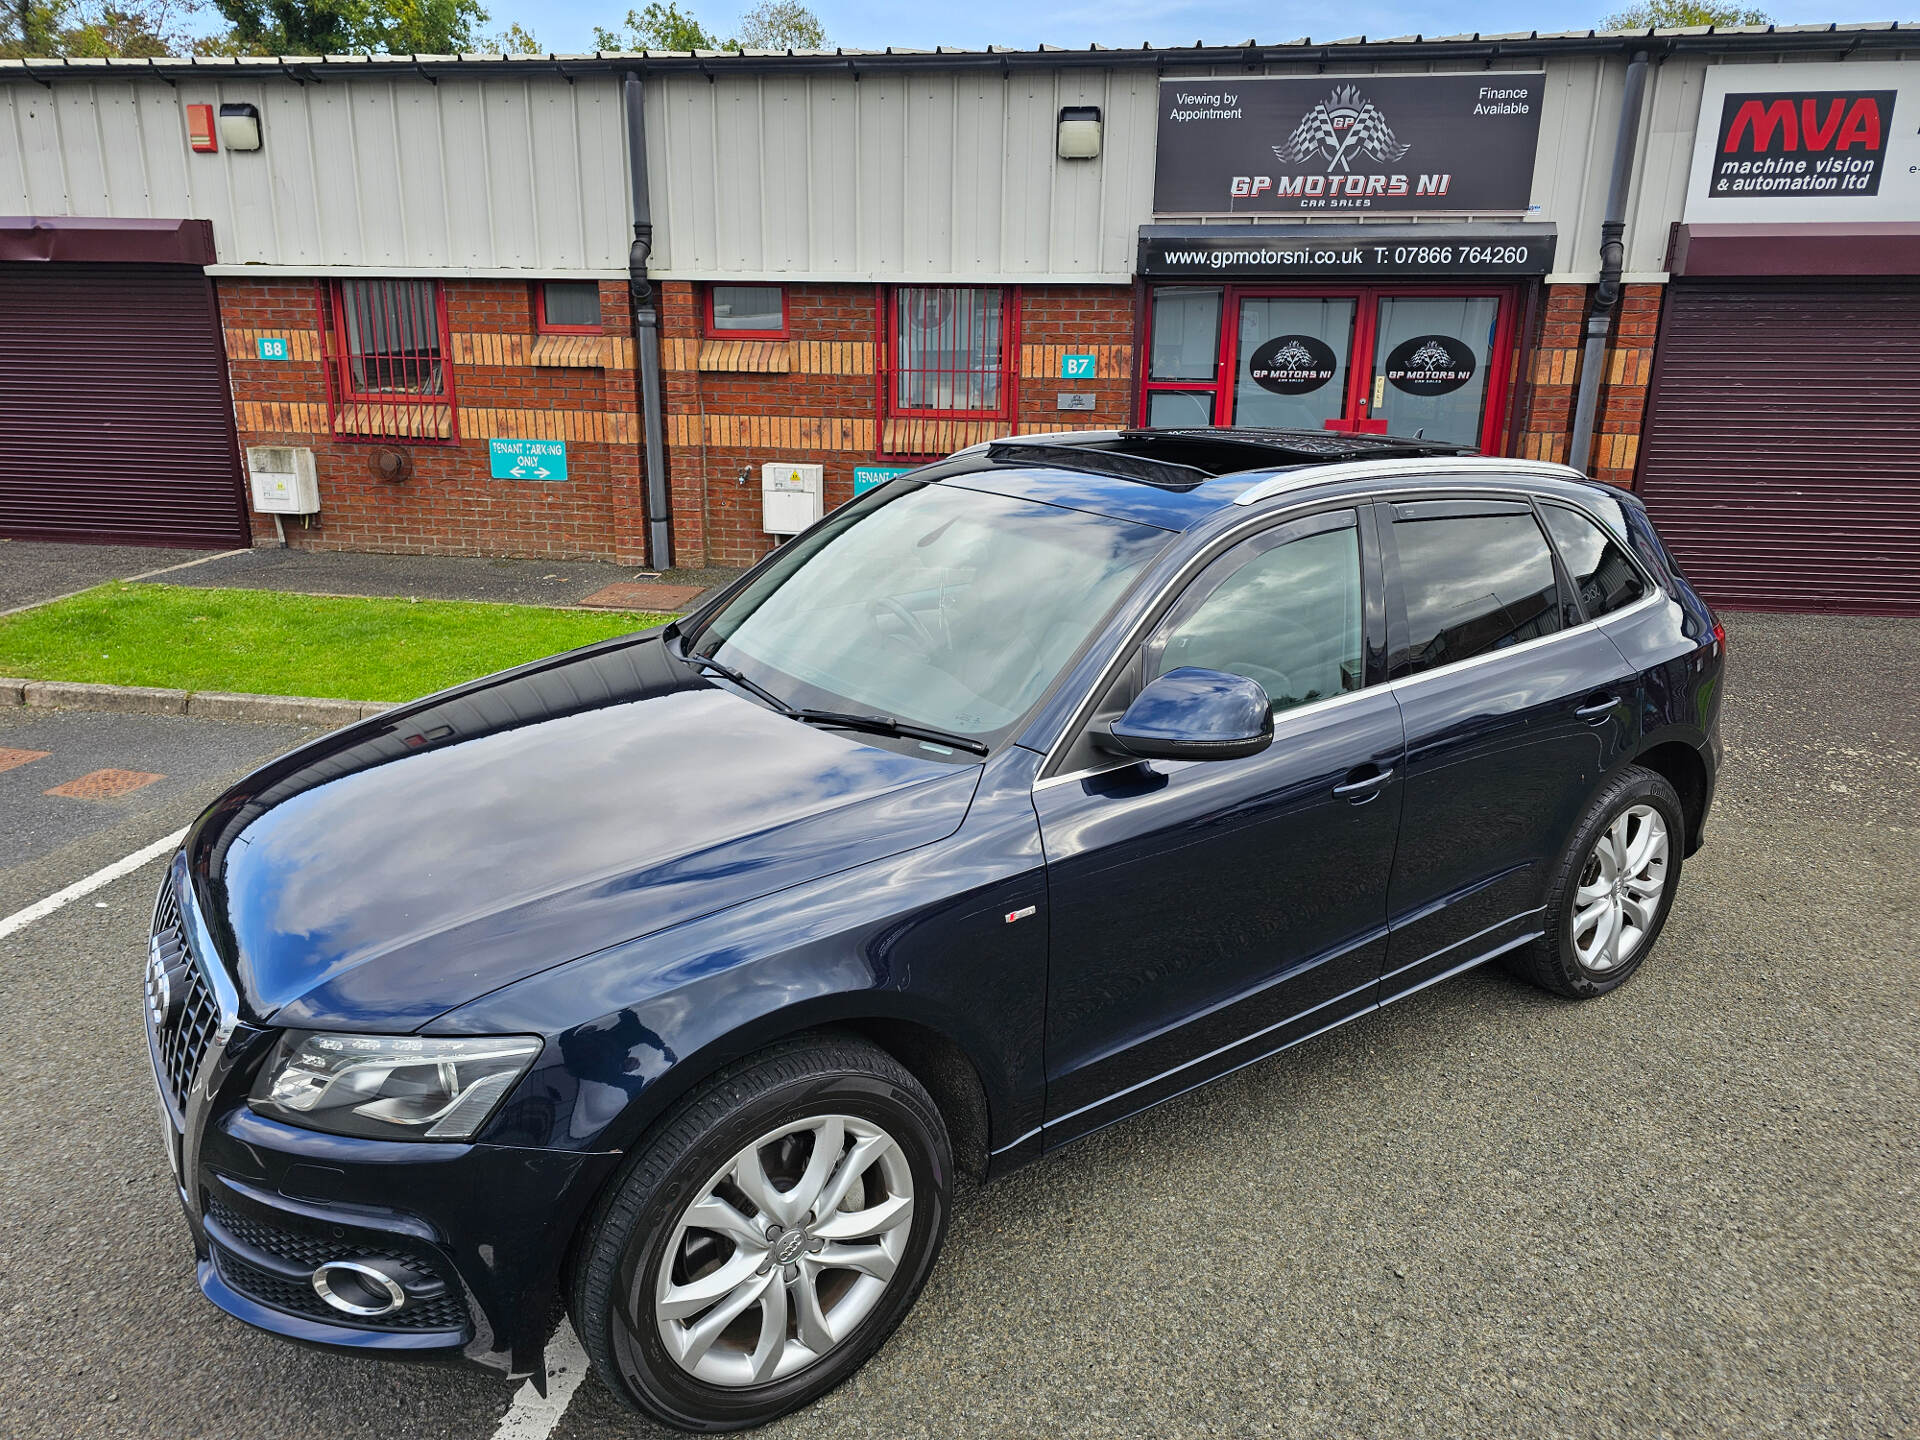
{"x": 676, "y": 982}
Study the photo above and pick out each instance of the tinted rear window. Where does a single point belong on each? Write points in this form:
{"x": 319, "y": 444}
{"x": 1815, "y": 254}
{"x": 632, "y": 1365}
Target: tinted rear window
{"x": 1473, "y": 584}
{"x": 1601, "y": 571}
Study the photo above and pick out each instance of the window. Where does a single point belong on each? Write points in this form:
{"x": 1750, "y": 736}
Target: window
{"x": 948, "y": 607}
{"x": 392, "y": 338}
{"x": 567, "y": 305}
{"x": 1601, "y": 571}
{"x": 747, "y": 311}
{"x": 1183, "y": 352}
{"x": 1284, "y": 610}
{"x": 950, "y": 351}
{"x": 389, "y": 375}
{"x": 1475, "y": 578}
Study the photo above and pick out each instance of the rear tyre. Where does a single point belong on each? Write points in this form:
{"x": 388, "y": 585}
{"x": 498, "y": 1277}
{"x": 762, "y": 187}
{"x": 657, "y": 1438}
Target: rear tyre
{"x": 1611, "y": 889}
{"x": 767, "y": 1238}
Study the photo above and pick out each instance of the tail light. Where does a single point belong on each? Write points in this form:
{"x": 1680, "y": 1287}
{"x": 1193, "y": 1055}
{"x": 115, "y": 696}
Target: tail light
{"x": 1720, "y": 636}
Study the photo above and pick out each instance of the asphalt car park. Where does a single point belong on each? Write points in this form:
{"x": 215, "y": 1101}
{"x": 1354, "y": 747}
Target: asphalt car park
{"x": 1685, "y": 1208}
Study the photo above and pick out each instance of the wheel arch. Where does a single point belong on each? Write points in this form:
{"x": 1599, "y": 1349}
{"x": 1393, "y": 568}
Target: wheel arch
{"x": 932, "y": 1053}
{"x": 1680, "y": 764}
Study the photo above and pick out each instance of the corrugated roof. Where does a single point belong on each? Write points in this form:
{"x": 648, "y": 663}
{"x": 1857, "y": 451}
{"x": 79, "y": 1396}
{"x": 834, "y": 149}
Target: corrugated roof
{"x": 1756, "y": 39}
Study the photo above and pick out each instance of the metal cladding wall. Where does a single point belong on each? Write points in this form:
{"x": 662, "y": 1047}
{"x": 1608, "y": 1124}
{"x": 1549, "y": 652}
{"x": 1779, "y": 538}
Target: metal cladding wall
{"x": 115, "y": 421}
{"x": 1779, "y": 458}
{"x": 522, "y": 174}
{"x": 922, "y": 177}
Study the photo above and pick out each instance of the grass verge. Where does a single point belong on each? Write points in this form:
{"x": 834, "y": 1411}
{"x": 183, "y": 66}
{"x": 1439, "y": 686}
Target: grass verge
{"x": 264, "y": 642}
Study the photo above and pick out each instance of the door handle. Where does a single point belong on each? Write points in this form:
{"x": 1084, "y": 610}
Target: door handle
{"x": 1596, "y": 710}
{"x": 1359, "y": 791}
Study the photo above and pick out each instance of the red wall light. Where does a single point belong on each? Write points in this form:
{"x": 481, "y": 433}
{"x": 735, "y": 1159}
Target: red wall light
{"x": 200, "y": 133}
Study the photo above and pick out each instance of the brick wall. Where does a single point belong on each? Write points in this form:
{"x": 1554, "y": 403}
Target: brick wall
{"x": 814, "y": 397}
{"x": 1624, "y": 383}
{"x": 1554, "y": 374}
{"x": 508, "y": 383}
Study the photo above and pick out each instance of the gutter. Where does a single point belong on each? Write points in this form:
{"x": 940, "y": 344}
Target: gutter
{"x": 646, "y": 330}
{"x": 1755, "y": 42}
{"x": 1606, "y": 294}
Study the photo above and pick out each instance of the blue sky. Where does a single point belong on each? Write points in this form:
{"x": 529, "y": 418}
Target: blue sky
{"x": 568, "y": 24}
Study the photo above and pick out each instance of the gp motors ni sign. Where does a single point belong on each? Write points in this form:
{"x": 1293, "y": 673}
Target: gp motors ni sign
{"x": 1807, "y": 142}
{"x": 1290, "y": 145}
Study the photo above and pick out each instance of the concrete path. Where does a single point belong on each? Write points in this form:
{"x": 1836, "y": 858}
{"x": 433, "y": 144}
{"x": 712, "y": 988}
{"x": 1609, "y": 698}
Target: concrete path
{"x": 447, "y": 577}
{"x": 35, "y": 570}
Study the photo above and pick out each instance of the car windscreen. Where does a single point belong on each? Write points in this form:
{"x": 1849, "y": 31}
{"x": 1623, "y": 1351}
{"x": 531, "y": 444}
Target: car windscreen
{"x": 943, "y": 607}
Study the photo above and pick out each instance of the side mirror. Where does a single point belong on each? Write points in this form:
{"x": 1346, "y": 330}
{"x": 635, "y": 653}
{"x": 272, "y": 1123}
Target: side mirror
{"x": 1193, "y": 714}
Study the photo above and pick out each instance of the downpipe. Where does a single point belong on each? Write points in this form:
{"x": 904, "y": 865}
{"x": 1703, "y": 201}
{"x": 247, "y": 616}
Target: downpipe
{"x": 1606, "y": 294}
{"x": 646, "y": 331}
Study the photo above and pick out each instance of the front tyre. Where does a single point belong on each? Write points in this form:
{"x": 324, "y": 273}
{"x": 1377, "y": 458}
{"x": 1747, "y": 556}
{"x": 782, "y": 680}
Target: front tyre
{"x": 768, "y": 1237}
{"x": 1611, "y": 889}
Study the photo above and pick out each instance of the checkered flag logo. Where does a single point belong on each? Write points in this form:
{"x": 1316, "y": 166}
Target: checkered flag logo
{"x": 1343, "y": 124}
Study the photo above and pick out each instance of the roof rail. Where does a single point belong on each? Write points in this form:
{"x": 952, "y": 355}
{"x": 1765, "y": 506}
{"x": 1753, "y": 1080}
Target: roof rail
{"x": 1301, "y": 476}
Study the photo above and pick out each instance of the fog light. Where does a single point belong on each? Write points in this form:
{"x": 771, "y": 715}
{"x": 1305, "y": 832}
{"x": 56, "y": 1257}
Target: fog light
{"x": 359, "y": 1287}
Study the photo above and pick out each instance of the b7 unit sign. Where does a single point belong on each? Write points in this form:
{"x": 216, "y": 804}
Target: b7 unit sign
{"x": 1333, "y": 144}
{"x": 1807, "y": 142}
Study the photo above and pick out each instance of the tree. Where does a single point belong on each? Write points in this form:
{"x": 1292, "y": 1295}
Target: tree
{"x": 1679, "y": 14}
{"x": 780, "y": 25}
{"x": 511, "y": 41}
{"x": 658, "y": 27}
{"x": 775, "y": 25}
{"x": 334, "y": 27}
{"x": 96, "y": 28}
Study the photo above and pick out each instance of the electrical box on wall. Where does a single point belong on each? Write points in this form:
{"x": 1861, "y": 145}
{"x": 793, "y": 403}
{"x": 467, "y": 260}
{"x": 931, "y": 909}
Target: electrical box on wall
{"x": 791, "y": 496}
{"x": 282, "y": 479}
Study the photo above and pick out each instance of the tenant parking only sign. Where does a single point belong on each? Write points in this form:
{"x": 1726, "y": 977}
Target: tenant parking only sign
{"x": 1807, "y": 143}
{"x": 1347, "y": 144}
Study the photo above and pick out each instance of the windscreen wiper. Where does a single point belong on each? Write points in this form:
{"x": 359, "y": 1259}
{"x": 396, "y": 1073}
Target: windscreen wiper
{"x": 871, "y": 724}
{"x": 888, "y": 725}
{"x": 727, "y": 672}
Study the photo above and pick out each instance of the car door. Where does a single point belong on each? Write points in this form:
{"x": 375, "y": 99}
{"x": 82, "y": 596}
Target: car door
{"x": 1203, "y": 913}
{"x": 1514, "y": 709}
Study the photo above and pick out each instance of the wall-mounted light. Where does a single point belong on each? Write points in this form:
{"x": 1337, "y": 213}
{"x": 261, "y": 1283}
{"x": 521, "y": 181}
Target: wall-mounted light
{"x": 240, "y": 127}
{"x": 1079, "y": 137}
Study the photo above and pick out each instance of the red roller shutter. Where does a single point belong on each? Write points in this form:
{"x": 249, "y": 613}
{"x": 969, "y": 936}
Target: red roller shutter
{"x": 115, "y": 420}
{"x": 1781, "y": 457}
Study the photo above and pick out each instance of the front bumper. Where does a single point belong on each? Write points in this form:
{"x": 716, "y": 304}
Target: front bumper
{"x": 483, "y": 1230}
{"x": 474, "y": 1236}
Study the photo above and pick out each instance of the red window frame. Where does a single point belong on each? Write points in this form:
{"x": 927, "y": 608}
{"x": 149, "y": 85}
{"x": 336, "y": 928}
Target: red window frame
{"x": 1359, "y": 379}
{"x": 713, "y": 332}
{"x": 330, "y": 300}
{"x": 540, "y": 323}
{"x": 1006, "y": 367}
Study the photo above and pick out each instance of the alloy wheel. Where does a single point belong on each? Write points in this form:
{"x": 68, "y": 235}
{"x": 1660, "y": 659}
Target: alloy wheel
{"x": 784, "y": 1251}
{"x": 1620, "y": 889}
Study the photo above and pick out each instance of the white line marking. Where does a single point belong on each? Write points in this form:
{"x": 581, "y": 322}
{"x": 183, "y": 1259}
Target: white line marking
{"x": 532, "y": 1417}
{"x": 126, "y": 865}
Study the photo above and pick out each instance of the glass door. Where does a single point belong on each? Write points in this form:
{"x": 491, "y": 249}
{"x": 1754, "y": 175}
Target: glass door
{"x": 1293, "y": 360}
{"x": 1430, "y": 361}
{"x": 1433, "y": 356}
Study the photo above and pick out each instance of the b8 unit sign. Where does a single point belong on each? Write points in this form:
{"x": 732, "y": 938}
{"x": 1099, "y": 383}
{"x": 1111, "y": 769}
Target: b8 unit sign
{"x": 1330, "y": 144}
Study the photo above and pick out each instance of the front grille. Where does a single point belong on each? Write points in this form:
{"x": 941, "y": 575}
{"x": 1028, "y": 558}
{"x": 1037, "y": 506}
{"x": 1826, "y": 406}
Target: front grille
{"x": 189, "y": 1028}
{"x": 308, "y": 1251}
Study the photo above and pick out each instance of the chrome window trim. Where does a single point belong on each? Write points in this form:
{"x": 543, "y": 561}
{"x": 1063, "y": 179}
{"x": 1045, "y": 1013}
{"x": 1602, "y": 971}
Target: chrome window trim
{"x": 1454, "y": 667}
{"x": 1225, "y": 541}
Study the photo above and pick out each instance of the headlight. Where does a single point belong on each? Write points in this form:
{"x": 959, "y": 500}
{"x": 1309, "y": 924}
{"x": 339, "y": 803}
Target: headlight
{"x": 390, "y": 1087}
